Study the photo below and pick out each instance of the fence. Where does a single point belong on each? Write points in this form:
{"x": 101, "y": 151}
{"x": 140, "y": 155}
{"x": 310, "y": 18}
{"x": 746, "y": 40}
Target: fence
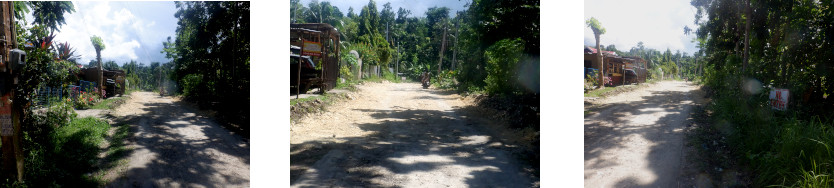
{"x": 45, "y": 96}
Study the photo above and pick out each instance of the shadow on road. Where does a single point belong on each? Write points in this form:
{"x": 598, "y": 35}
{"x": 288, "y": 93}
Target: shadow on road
{"x": 407, "y": 144}
{"x": 175, "y": 159}
{"x": 659, "y": 119}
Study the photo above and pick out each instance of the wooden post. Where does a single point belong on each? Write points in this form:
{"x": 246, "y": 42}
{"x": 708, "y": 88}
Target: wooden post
{"x": 9, "y": 110}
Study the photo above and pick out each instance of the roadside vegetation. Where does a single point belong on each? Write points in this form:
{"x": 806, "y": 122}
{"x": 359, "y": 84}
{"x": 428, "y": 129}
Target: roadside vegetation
{"x": 788, "y": 48}
{"x": 62, "y": 149}
{"x": 746, "y": 50}
{"x": 210, "y": 59}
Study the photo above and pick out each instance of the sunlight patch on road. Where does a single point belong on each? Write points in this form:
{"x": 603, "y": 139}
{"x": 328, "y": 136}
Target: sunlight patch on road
{"x": 474, "y": 139}
{"x": 413, "y": 159}
{"x": 444, "y": 176}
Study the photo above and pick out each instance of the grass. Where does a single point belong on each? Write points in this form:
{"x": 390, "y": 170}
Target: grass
{"x": 599, "y": 92}
{"x": 116, "y": 153}
{"x": 68, "y": 155}
{"x": 108, "y": 103}
{"x": 324, "y": 97}
{"x": 782, "y": 148}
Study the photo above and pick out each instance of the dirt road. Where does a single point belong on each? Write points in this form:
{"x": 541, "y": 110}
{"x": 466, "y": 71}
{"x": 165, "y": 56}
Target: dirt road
{"x": 172, "y": 146}
{"x": 399, "y": 135}
{"x": 637, "y": 140}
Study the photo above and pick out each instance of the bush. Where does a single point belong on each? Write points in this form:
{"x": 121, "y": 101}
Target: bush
{"x": 590, "y": 82}
{"x": 84, "y": 100}
{"x": 191, "y": 85}
{"x": 61, "y": 149}
{"x": 346, "y": 73}
{"x": 790, "y": 148}
{"x": 446, "y": 79}
{"x": 501, "y": 59}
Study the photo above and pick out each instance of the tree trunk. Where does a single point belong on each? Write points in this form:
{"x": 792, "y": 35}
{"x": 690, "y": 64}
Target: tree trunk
{"x": 454, "y": 51}
{"x": 100, "y": 73}
{"x": 746, "y": 37}
{"x": 600, "y": 65}
{"x": 442, "y": 48}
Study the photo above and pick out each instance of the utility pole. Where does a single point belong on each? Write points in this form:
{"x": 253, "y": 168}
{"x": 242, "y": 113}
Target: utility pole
{"x": 10, "y": 110}
{"x": 398, "y": 59}
{"x": 442, "y": 47}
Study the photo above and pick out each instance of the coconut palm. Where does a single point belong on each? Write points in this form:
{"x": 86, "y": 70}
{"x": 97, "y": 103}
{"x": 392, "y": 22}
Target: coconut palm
{"x": 98, "y": 45}
{"x": 595, "y": 26}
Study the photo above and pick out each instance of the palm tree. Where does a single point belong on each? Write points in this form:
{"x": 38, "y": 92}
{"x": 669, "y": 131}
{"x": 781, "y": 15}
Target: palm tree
{"x": 99, "y": 45}
{"x": 594, "y": 24}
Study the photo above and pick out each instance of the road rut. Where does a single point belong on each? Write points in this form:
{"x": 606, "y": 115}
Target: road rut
{"x": 399, "y": 135}
{"x": 637, "y": 141}
{"x": 172, "y": 146}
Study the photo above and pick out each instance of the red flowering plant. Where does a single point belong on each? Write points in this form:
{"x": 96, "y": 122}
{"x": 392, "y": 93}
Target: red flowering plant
{"x": 85, "y": 100}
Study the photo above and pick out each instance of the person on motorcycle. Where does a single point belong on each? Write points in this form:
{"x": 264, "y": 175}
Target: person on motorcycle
{"x": 425, "y": 78}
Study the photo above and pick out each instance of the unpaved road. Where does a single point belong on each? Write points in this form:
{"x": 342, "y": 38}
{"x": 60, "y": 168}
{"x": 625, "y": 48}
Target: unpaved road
{"x": 399, "y": 135}
{"x": 637, "y": 140}
{"x": 172, "y": 146}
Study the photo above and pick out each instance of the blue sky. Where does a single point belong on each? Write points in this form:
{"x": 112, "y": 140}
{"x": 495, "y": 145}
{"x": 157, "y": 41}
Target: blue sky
{"x": 418, "y": 8}
{"x": 658, "y": 23}
{"x": 130, "y": 30}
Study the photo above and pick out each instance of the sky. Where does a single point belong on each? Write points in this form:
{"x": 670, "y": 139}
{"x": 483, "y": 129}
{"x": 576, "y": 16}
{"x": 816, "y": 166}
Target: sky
{"x": 658, "y": 23}
{"x": 130, "y": 30}
{"x": 418, "y": 7}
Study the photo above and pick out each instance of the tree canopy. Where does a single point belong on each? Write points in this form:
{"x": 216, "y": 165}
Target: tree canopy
{"x": 210, "y": 55}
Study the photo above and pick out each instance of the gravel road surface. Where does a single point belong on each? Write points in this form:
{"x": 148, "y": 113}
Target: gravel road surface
{"x": 172, "y": 146}
{"x": 637, "y": 139}
{"x": 399, "y": 135}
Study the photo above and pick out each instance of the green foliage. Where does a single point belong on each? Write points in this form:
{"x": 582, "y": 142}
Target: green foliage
{"x": 50, "y": 13}
{"x": 321, "y": 12}
{"x": 109, "y": 103}
{"x": 192, "y": 85}
{"x": 65, "y": 52}
{"x": 416, "y": 40}
{"x": 98, "y": 45}
{"x": 212, "y": 44}
{"x": 496, "y": 20}
{"x": 147, "y": 77}
{"x": 789, "y": 48}
{"x": 60, "y": 149}
{"x": 595, "y": 26}
{"x": 85, "y": 100}
{"x": 446, "y": 79}
{"x": 111, "y": 65}
{"x": 590, "y": 82}
{"x": 502, "y": 58}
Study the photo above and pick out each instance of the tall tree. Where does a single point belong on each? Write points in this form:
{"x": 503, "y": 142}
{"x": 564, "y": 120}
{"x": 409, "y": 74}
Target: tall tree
{"x": 598, "y": 30}
{"x": 51, "y": 13}
{"x": 210, "y": 55}
{"x": 99, "y": 46}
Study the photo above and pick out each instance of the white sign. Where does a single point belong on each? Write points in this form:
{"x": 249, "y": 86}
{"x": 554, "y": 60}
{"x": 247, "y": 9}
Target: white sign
{"x": 779, "y": 99}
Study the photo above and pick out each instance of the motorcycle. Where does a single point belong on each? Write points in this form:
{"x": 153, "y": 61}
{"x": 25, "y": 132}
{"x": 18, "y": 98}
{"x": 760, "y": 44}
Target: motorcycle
{"x": 426, "y": 80}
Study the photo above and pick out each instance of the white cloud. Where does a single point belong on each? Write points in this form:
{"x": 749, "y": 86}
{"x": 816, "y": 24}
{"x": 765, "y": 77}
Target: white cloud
{"x": 126, "y": 36}
{"x": 657, "y": 23}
